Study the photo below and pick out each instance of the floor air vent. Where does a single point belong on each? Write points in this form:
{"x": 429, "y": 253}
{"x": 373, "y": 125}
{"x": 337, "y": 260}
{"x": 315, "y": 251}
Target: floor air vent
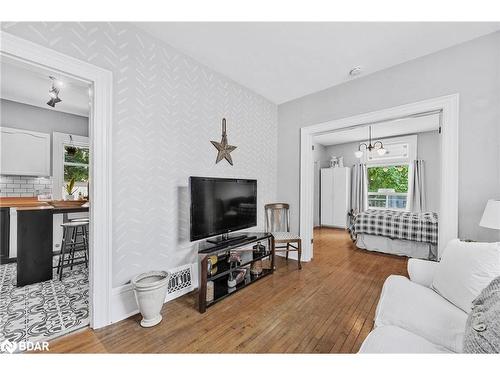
{"x": 181, "y": 280}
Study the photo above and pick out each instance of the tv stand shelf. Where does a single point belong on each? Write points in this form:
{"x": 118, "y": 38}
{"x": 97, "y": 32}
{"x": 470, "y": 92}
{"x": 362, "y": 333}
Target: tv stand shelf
{"x": 224, "y": 268}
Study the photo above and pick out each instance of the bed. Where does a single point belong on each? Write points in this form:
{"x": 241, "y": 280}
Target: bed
{"x": 404, "y": 233}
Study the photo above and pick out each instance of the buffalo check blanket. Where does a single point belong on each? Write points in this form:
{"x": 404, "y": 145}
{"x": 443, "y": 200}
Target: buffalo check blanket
{"x": 403, "y": 225}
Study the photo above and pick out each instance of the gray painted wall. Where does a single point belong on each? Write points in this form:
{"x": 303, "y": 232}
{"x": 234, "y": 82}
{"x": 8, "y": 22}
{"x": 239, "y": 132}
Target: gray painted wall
{"x": 427, "y": 149}
{"x": 166, "y": 109}
{"x": 28, "y": 117}
{"x": 471, "y": 69}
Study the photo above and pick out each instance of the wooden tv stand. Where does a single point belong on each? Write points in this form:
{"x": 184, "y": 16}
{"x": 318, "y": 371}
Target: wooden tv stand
{"x": 221, "y": 275}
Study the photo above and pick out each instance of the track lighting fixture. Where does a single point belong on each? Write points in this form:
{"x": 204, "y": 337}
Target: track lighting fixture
{"x": 54, "y": 92}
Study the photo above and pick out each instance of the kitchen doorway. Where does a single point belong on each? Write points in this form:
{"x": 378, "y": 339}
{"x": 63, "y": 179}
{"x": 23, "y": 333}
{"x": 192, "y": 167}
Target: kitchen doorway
{"x": 98, "y": 156}
{"x": 44, "y": 198}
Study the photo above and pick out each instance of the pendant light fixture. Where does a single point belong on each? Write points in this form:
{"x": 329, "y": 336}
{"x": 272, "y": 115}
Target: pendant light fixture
{"x": 378, "y": 145}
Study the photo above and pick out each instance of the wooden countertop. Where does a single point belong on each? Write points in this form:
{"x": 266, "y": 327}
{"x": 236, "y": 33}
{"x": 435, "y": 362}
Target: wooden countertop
{"x": 30, "y": 204}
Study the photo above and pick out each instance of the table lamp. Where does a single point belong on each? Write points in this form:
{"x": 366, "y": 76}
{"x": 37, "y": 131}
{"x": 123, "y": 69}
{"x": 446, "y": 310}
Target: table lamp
{"x": 491, "y": 215}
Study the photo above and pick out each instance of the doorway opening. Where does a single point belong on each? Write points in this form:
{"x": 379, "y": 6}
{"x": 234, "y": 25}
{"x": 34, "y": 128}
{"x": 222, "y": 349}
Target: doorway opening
{"x": 384, "y": 162}
{"x": 45, "y": 168}
{"x": 79, "y": 169}
{"x": 446, "y": 107}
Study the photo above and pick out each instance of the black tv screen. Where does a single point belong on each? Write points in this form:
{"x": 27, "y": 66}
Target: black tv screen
{"x": 221, "y": 205}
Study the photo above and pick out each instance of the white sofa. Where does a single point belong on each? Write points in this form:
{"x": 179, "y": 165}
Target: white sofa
{"x": 412, "y": 318}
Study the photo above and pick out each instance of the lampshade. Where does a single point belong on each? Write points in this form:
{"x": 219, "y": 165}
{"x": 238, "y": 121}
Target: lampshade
{"x": 358, "y": 154}
{"x": 491, "y": 215}
{"x": 381, "y": 151}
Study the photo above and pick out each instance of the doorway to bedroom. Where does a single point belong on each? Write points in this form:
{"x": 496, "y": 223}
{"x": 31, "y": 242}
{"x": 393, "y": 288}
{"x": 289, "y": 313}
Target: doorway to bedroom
{"x": 380, "y": 183}
{"x": 397, "y": 184}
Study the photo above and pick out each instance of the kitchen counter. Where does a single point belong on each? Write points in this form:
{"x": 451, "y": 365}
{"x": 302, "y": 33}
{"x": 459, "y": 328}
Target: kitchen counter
{"x": 34, "y": 225}
{"x": 22, "y": 202}
{"x": 31, "y": 204}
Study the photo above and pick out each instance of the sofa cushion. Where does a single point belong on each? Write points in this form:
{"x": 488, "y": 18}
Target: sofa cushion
{"x": 422, "y": 271}
{"x": 465, "y": 269}
{"x": 421, "y": 311}
{"x": 392, "y": 339}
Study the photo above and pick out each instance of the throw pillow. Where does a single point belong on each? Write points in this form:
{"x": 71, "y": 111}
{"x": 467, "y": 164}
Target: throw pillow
{"x": 482, "y": 330}
{"x": 465, "y": 269}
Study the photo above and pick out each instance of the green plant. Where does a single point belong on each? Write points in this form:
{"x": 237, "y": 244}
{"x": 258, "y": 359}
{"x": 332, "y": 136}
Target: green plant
{"x": 70, "y": 186}
{"x": 390, "y": 177}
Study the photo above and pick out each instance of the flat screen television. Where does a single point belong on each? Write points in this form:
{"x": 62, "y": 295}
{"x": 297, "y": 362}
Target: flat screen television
{"x": 221, "y": 205}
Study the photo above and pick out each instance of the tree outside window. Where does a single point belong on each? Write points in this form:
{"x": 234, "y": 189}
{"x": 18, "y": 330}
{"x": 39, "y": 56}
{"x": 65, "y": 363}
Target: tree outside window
{"x": 388, "y": 186}
{"x": 76, "y": 165}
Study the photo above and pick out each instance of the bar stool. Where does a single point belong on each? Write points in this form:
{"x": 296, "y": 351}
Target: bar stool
{"x": 75, "y": 238}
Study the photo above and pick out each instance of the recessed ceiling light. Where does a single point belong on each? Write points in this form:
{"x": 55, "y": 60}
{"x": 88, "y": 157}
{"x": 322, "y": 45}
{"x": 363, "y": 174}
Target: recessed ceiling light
{"x": 356, "y": 71}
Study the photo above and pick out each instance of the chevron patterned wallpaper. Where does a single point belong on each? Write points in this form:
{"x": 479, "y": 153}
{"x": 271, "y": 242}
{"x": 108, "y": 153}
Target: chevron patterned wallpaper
{"x": 167, "y": 108}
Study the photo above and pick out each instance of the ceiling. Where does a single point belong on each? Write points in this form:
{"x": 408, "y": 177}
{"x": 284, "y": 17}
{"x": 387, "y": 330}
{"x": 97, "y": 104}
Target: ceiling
{"x": 29, "y": 84}
{"x": 383, "y": 130}
{"x": 284, "y": 61}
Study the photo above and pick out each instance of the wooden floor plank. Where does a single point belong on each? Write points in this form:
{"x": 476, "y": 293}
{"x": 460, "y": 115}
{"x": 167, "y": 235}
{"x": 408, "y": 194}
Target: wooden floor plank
{"x": 328, "y": 306}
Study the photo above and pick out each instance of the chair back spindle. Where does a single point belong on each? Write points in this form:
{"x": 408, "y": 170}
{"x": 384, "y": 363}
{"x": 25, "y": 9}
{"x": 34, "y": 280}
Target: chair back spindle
{"x": 277, "y": 217}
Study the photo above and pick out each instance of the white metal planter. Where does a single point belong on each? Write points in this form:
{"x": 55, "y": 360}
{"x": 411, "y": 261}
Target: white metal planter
{"x": 150, "y": 290}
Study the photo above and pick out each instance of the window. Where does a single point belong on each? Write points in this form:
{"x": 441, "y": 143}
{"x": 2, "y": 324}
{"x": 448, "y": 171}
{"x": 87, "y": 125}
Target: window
{"x": 388, "y": 187}
{"x": 70, "y": 158}
{"x": 76, "y": 165}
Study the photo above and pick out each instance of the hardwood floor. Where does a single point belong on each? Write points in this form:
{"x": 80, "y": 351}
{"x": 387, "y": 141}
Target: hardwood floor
{"x": 327, "y": 307}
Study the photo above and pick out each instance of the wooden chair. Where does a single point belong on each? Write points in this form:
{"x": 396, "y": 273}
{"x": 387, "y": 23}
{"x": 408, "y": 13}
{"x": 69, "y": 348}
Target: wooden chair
{"x": 278, "y": 224}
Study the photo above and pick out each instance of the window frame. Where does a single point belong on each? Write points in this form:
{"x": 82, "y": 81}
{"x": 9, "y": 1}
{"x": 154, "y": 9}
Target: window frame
{"x": 59, "y": 141}
{"x": 410, "y": 179}
{"x": 72, "y": 164}
{"x": 412, "y": 141}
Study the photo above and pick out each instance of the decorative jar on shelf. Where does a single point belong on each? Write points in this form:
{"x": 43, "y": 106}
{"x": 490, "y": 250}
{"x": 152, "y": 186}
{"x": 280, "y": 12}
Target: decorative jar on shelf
{"x": 256, "y": 268}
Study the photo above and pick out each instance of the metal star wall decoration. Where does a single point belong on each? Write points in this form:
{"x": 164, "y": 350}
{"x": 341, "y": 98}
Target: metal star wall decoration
{"x": 222, "y": 147}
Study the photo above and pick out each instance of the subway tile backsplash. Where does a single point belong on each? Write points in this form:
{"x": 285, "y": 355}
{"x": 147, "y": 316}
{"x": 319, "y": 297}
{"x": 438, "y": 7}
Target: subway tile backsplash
{"x": 24, "y": 186}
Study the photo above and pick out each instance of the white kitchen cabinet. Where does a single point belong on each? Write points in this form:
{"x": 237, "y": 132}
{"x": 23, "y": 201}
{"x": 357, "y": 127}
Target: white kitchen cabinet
{"x": 335, "y": 196}
{"x": 24, "y": 152}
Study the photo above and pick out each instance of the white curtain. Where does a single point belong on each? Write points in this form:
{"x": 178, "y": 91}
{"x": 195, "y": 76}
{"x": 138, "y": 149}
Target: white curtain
{"x": 418, "y": 188}
{"x": 359, "y": 188}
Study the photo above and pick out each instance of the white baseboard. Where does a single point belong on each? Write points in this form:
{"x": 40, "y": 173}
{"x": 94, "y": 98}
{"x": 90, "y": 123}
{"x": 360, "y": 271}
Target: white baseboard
{"x": 123, "y": 303}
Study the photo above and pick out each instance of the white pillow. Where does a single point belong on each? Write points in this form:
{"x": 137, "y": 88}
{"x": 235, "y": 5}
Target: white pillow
{"x": 465, "y": 269}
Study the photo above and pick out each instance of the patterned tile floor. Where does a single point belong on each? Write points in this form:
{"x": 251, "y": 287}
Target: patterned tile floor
{"x": 43, "y": 311}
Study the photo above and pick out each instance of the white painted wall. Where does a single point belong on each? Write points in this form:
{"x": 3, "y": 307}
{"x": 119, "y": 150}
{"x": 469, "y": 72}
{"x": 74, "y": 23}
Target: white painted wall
{"x": 471, "y": 69}
{"x": 166, "y": 109}
{"x": 427, "y": 149}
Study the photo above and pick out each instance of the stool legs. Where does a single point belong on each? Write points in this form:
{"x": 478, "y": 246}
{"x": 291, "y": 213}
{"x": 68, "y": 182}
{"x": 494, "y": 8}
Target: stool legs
{"x": 75, "y": 238}
{"x": 86, "y": 245}
{"x": 63, "y": 250}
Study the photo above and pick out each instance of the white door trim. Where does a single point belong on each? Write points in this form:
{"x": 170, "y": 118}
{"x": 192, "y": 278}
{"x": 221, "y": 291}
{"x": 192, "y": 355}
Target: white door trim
{"x": 100, "y": 122}
{"x": 448, "y": 221}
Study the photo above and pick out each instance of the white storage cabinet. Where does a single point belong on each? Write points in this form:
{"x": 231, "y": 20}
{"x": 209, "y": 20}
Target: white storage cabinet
{"x": 24, "y": 152}
{"x": 335, "y": 196}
